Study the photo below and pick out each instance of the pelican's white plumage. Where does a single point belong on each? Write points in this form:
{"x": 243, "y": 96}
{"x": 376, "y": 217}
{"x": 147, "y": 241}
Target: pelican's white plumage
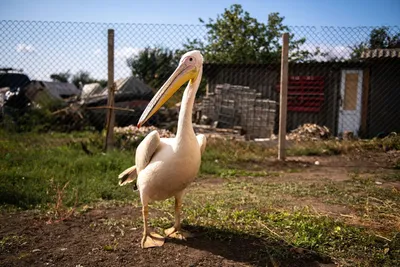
{"x": 166, "y": 166}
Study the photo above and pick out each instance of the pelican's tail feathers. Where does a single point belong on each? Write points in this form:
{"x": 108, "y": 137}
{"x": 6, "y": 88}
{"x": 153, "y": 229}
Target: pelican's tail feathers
{"x": 128, "y": 176}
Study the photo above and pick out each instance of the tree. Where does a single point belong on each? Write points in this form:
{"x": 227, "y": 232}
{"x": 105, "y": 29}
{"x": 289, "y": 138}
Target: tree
{"x": 103, "y": 83}
{"x": 235, "y": 37}
{"x": 378, "y": 38}
{"x": 60, "y": 77}
{"x": 153, "y": 65}
{"x": 81, "y": 78}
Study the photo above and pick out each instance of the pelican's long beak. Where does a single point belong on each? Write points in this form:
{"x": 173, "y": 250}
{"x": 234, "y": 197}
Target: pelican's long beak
{"x": 182, "y": 74}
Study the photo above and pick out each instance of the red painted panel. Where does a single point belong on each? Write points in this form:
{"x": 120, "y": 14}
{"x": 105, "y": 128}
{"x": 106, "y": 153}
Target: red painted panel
{"x": 305, "y": 93}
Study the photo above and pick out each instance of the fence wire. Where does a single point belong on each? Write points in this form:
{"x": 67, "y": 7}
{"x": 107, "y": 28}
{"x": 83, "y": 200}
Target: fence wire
{"x": 53, "y": 77}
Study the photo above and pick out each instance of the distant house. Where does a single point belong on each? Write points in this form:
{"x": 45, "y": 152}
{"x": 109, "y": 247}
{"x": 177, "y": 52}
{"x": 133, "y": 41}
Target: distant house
{"x": 91, "y": 89}
{"x": 361, "y": 96}
{"x": 44, "y": 93}
{"x": 130, "y": 93}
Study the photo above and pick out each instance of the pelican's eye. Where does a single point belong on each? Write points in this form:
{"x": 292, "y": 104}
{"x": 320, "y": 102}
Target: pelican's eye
{"x": 191, "y": 59}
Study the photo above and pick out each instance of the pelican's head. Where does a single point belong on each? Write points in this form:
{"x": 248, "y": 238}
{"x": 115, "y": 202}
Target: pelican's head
{"x": 188, "y": 70}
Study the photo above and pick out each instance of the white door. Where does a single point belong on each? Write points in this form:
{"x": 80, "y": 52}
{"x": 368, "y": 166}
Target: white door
{"x": 350, "y": 101}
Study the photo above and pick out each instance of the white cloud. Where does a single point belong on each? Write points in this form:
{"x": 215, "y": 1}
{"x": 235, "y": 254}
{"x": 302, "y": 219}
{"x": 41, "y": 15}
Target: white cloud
{"x": 332, "y": 51}
{"x": 25, "y": 48}
{"x": 97, "y": 51}
{"x": 126, "y": 52}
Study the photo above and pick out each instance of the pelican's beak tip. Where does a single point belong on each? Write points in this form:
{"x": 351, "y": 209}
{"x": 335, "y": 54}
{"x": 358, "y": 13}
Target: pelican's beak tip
{"x": 139, "y": 124}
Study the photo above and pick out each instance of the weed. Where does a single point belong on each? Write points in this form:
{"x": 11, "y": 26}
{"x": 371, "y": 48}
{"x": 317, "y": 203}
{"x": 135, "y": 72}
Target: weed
{"x": 110, "y": 248}
{"x": 392, "y": 177}
{"x": 58, "y": 209}
{"x": 397, "y": 165}
{"x": 11, "y": 242}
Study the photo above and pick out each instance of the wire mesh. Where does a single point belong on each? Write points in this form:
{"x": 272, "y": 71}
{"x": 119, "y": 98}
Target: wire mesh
{"x": 53, "y": 77}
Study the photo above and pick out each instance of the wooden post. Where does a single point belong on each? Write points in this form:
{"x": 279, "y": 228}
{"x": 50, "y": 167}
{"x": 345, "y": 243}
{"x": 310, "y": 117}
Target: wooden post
{"x": 283, "y": 98}
{"x": 110, "y": 120}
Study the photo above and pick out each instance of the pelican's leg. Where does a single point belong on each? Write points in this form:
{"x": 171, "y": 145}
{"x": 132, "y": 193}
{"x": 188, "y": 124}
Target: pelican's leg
{"x": 149, "y": 240}
{"x": 176, "y": 231}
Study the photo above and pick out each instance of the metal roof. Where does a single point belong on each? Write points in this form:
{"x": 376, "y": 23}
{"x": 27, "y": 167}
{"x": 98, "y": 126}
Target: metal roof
{"x": 91, "y": 89}
{"x": 381, "y": 53}
{"x": 130, "y": 85}
{"x": 58, "y": 88}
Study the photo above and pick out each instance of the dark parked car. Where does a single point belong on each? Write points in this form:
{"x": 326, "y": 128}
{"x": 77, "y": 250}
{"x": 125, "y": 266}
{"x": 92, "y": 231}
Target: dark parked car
{"x": 16, "y": 81}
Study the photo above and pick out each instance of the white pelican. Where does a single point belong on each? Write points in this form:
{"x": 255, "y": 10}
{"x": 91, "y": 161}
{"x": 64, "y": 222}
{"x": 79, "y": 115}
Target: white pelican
{"x": 166, "y": 166}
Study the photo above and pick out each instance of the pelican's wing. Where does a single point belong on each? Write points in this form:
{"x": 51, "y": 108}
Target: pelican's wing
{"x": 146, "y": 150}
{"x": 201, "y": 138}
{"x": 144, "y": 153}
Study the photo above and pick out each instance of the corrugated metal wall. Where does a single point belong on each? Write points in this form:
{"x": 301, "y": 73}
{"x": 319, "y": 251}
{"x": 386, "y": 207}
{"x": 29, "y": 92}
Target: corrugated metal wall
{"x": 265, "y": 79}
{"x": 384, "y": 97}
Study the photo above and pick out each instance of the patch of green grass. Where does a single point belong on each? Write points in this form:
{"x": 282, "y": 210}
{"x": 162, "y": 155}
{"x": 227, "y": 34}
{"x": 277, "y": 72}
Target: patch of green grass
{"x": 224, "y": 215}
{"x": 361, "y": 194}
{"x": 10, "y": 242}
{"x": 238, "y": 206}
{"x": 336, "y": 147}
{"x": 110, "y": 247}
{"x": 213, "y": 168}
{"x": 397, "y": 165}
{"x": 392, "y": 177}
{"x": 28, "y": 172}
{"x": 391, "y": 142}
{"x": 313, "y": 150}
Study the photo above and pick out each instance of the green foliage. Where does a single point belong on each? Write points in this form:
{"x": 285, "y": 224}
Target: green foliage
{"x": 236, "y": 37}
{"x": 380, "y": 37}
{"x": 153, "y": 65}
{"x": 28, "y": 120}
{"x": 81, "y": 77}
{"x": 391, "y": 142}
{"x": 61, "y": 77}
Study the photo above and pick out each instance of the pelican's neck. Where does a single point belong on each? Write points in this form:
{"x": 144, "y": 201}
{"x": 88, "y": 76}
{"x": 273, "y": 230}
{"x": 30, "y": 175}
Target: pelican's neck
{"x": 185, "y": 127}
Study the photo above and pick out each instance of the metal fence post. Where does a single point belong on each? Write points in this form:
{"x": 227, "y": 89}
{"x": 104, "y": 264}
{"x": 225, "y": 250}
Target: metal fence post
{"x": 111, "y": 88}
{"x": 283, "y": 97}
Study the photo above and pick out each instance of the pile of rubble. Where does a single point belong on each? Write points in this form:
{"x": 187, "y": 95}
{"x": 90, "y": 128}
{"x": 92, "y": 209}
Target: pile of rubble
{"x": 309, "y": 132}
{"x": 213, "y": 132}
{"x": 136, "y": 133}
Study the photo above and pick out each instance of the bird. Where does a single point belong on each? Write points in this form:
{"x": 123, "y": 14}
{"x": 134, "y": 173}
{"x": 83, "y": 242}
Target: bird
{"x": 165, "y": 167}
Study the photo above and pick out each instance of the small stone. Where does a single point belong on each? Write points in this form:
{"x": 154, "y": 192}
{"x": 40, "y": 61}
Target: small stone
{"x": 316, "y": 162}
{"x": 35, "y": 250}
{"x": 63, "y": 249}
{"x": 378, "y": 183}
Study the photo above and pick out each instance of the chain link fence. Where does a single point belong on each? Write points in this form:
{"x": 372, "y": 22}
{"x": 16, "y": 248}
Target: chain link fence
{"x": 53, "y": 77}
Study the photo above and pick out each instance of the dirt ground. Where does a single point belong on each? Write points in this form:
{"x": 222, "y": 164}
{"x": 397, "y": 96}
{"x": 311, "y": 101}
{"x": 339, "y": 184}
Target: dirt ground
{"x": 75, "y": 242}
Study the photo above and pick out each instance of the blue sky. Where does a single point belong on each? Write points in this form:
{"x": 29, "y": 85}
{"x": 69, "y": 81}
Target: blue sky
{"x": 297, "y": 12}
{"x": 42, "y": 48}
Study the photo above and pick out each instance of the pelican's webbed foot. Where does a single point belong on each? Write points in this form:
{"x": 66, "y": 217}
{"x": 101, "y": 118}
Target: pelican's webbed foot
{"x": 152, "y": 240}
{"x": 177, "y": 234}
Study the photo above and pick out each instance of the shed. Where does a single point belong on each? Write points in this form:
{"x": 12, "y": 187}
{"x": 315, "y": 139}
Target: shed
{"x": 383, "y": 91}
{"x": 44, "y": 93}
{"x": 130, "y": 93}
{"x": 358, "y": 96}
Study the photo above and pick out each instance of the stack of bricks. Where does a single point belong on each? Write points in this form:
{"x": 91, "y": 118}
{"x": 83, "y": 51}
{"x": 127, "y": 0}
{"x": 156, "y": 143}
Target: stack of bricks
{"x": 234, "y": 105}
